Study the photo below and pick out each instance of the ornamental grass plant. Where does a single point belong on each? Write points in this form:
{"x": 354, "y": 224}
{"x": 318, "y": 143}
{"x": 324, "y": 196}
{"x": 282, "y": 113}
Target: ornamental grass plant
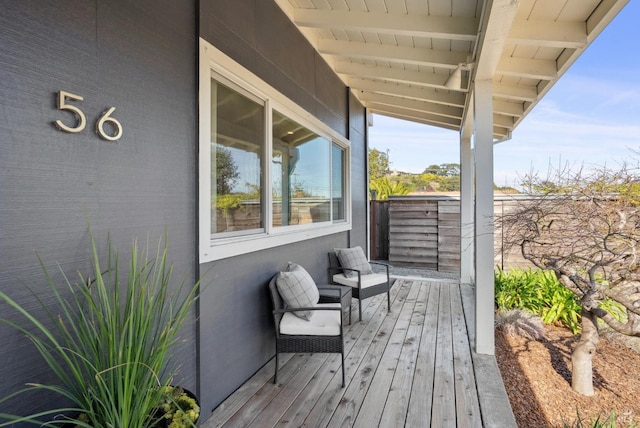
{"x": 108, "y": 340}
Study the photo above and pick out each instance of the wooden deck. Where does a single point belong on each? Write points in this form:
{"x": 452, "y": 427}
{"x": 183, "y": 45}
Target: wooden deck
{"x": 411, "y": 367}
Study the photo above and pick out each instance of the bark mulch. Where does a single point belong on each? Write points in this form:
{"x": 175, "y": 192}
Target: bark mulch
{"x": 537, "y": 376}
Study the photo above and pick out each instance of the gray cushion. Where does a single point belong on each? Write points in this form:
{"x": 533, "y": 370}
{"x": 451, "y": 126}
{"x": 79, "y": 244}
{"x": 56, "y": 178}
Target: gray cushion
{"x": 298, "y": 290}
{"x": 353, "y": 258}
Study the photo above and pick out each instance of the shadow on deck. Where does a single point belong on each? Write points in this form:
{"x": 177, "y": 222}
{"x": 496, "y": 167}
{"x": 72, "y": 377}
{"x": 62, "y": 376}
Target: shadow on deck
{"x": 411, "y": 367}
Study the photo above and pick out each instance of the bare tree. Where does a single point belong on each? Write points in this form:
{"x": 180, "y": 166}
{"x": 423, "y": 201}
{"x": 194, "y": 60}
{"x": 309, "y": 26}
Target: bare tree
{"x": 588, "y": 233}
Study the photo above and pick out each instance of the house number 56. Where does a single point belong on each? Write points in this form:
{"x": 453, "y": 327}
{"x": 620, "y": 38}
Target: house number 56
{"x": 65, "y": 97}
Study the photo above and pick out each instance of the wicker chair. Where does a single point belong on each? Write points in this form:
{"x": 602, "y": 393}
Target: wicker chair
{"x": 296, "y": 340}
{"x": 364, "y": 285}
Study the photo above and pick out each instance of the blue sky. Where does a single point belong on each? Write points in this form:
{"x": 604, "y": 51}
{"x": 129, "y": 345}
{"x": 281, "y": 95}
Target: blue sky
{"x": 591, "y": 116}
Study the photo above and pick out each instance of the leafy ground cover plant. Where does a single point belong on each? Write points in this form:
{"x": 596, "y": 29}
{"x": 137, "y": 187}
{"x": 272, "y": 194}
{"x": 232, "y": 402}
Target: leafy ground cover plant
{"x": 108, "y": 343}
{"x": 539, "y": 292}
{"x": 178, "y": 407}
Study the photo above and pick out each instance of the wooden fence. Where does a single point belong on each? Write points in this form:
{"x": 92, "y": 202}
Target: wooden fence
{"x": 424, "y": 231}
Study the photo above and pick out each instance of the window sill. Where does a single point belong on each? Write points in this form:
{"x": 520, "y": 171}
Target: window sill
{"x": 219, "y": 249}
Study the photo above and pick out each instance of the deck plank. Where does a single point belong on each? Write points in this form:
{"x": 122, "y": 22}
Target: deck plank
{"x": 444, "y": 406}
{"x": 467, "y": 406}
{"x": 272, "y": 413}
{"x": 371, "y": 409}
{"x": 261, "y": 400}
{"x": 421, "y": 399}
{"x": 246, "y": 392}
{"x": 395, "y": 409}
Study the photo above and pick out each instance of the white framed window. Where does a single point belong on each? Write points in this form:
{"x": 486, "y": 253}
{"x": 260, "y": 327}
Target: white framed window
{"x": 269, "y": 172}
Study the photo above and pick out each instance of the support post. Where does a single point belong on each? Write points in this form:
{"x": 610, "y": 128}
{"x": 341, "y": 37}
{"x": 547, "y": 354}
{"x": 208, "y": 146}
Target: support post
{"x": 483, "y": 153}
{"x": 466, "y": 210}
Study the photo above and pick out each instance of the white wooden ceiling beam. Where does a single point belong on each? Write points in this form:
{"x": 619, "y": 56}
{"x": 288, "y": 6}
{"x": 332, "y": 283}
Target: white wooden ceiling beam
{"x": 411, "y": 104}
{"x": 515, "y": 92}
{"x": 438, "y": 27}
{"x": 507, "y": 108}
{"x": 602, "y": 16}
{"x": 498, "y": 21}
{"x": 529, "y": 68}
{"x": 500, "y": 132}
{"x": 435, "y": 80}
{"x": 503, "y": 121}
{"x": 549, "y": 34}
{"x": 401, "y": 54}
{"x": 412, "y": 115}
{"x": 455, "y": 99}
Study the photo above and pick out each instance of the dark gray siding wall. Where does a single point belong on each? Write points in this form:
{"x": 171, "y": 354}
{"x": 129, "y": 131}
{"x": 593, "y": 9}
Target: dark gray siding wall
{"x": 139, "y": 56}
{"x": 359, "y": 159}
{"x": 235, "y": 317}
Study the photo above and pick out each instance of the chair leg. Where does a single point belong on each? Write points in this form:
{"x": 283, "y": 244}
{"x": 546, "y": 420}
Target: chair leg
{"x": 343, "y": 368}
{"x": 388, "y": 301}
{"x": 359, "y": 309}
{"x": 275, "y": 376}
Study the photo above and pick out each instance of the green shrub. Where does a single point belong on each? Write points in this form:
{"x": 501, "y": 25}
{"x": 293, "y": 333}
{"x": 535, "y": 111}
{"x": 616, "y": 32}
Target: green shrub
{"x": 538, "y": 292}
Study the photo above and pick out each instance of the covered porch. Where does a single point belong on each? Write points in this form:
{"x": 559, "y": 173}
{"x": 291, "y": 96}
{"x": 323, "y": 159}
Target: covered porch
{"x": 474, "y": 67}
{"x": 413, "y": 366}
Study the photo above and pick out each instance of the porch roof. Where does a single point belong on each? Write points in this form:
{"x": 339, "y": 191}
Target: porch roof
{"x": 419, "y": 60}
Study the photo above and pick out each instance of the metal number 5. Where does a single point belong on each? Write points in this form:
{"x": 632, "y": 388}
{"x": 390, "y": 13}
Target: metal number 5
{"x": 62, "y": 105}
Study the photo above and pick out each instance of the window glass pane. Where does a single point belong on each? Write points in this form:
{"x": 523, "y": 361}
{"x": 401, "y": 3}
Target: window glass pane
{"x": 337, "y": 182}
{"x": 300, "y": 174}
{"x": 237, "y": 124}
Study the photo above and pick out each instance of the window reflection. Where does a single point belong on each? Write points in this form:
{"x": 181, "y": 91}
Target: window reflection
{"x": 338, "y": 182}
{"x": 237, "y": 129}
{"x": 301, "y": 182}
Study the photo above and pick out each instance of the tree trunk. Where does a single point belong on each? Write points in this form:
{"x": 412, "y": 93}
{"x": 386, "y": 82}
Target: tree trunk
{"x": 581, "y": 359}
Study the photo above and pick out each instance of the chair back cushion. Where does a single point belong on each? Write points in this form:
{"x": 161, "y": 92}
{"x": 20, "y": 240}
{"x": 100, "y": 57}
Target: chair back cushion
{"x": 298, "y": 289}
{"x": 353, "y": 258}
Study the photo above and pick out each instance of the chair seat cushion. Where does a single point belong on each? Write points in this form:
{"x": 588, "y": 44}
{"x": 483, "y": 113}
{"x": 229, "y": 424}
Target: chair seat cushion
{"x": 322, "y": 323}
{"x": 353, "y": 258}
{"x": 298, "y": 289}
{"x": 367, "y": 280}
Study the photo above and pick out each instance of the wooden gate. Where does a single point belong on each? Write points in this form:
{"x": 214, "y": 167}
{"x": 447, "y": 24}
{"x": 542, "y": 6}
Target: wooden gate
{"x": 417, "y": 231}
{"x": 379, "y": 244}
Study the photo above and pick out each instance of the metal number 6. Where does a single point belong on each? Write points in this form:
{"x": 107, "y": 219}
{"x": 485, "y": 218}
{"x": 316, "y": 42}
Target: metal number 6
{"x": 106, "y": 118}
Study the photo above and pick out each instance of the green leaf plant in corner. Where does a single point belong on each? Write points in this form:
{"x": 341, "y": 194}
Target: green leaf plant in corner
{"x": 107, "y": 343}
